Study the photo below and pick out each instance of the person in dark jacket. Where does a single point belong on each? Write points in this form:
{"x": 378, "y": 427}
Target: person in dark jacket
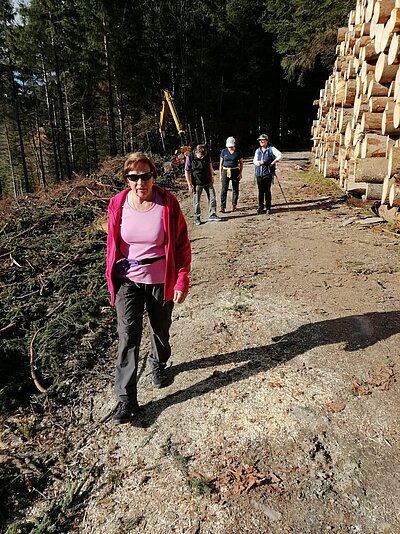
{"x": 147, "y": 266}
{"x": 230, "y": 170}
{"x": 200, "y": 175}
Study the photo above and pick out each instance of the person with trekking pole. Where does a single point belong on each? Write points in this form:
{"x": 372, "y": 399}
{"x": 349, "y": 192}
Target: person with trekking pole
{"x": 265, "y": 159}
{"x": 147, "y": 267}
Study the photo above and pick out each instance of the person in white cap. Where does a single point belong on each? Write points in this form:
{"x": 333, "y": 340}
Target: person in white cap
{"x": 230, "y": 170}
{"x": 265, "y": 158}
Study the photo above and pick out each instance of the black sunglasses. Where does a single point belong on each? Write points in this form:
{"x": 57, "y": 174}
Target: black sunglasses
{"x": 144, "y": 176}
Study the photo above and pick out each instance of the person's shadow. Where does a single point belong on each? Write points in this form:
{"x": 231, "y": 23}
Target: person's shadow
{"x": 356, "y": 331}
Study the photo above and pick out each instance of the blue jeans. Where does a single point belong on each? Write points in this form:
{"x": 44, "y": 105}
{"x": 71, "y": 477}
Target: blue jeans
{"x": 212, "y": 202}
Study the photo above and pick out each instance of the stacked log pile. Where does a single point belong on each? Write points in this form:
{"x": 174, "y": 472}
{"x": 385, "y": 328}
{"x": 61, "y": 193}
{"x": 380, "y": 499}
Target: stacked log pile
{"x": 356, "y": 136}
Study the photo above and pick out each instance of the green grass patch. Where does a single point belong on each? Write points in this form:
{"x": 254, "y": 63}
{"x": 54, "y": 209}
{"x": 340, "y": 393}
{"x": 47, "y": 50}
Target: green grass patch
{"x": 198, "y": 485}
{"x": 318, "y": 182}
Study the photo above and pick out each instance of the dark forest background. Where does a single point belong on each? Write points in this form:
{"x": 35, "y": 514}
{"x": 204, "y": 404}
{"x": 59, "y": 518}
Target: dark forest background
{"x": 82, "y": 80}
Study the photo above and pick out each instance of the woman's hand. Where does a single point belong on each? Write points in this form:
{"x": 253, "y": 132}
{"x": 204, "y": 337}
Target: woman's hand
{"x": 179, "y": 296}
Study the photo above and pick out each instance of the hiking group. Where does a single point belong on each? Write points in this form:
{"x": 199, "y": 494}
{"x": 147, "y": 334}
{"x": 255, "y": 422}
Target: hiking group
{"x": 199, "y": 175}
{"x": 149, "y": 253}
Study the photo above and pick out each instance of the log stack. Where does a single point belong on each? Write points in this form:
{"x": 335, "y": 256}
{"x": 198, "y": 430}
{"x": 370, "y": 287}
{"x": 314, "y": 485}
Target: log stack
{"x": 356, "y": 136}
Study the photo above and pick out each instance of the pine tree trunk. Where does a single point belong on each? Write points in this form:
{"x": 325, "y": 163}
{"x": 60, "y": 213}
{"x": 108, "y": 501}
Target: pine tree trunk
{"x": 20, "y": 135}
{"x": 85, "y": 140}
{"x": 51, "y": 117}
{"x": 69, "y": 129}
{"x": 62, "y": 113}
{"x": 10, "y": 159}
{"x": 42, "y": 176}
{"x": 121, "y": 118}
{"x": 111, "y": 122}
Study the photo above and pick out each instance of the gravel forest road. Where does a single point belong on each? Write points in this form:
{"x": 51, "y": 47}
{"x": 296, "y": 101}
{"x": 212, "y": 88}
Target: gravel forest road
{"x": 283, "y": 414}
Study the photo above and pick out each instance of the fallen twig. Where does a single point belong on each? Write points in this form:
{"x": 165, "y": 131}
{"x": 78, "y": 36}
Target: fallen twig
{"x": 7, "y": 328}
{"x": 31, "y": 362}
{"x": 26, "y": 231}
{"x": 14, "y": 262}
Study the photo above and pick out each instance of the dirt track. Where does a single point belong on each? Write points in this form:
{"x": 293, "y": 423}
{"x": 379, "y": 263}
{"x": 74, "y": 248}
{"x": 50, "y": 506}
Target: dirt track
{"x": 283, "y": 413}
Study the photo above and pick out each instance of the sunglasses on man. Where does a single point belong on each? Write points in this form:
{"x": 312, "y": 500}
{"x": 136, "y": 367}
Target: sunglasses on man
{"x": 133, "y": 177}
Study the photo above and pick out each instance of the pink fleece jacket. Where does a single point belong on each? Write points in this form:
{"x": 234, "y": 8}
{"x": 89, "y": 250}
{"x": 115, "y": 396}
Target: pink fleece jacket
{"x": 178, "y": 253}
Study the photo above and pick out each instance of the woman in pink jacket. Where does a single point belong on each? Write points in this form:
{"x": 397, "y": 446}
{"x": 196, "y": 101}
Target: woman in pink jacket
{"x": 147, "y": 266}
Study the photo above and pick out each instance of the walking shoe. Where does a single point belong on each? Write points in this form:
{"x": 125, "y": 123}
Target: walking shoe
{"x": 197, "y": 221}
{"x": 268, "y": 212}
{"x": 214, "y": 218}
{"x": 123, "y": 412}
{"x": 160, "y": 378}
{"x": 222, "y": 210}
{"x": 234, "y": 208}
{"x": 260, "y": 210}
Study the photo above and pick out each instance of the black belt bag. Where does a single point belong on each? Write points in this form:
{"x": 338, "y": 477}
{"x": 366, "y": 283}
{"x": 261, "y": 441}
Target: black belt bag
{"x": 123, "y": 266}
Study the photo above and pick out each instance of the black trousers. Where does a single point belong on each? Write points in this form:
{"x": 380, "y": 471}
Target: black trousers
{"x": 225, "y": 185}
{"x": 130, "y": 301}
{"x": 264, "y": 191}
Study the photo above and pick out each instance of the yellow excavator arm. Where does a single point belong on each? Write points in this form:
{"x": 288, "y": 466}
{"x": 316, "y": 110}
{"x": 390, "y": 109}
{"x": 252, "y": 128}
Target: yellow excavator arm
{"x": 168, "y": 104}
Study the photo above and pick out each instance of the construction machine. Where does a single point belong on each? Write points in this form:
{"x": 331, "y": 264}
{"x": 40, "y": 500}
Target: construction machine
{"x": 184, "y": 149}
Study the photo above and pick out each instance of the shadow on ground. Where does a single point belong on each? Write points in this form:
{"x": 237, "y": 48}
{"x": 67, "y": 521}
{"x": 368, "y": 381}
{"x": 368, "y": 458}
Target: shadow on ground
{"x": 356, "y": 331}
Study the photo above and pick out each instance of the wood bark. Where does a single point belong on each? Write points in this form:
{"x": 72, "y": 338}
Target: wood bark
{"x": 394, "y": 162}
{"x": 394, "y": 194}
{"x": 42, "y": 175}
{"x": 110, "y": 94}
{"x": 388, "y": 127}
{"x": 371, "y": 122}
{"x": 371, "y": 170}
{"x": 11, "y": 161}
{"x": 50, "y": 111}
{"x": 25, "y": 181}
{"x": 394, "y": 50}
{"x": 393, "y": 24}
{"x": 373, "y": 146}
{"x": 60, "y": 99}
{"x": 377, "y": 104}
{"x": 341, "y": 35}
{"x": 382, "y": 11}
{"x": 376, "y": 89}
{"x": 373, "y": 191}
{"x": 384, "y": 73}
{"x": 365, "y": 29}
{"x": 85, "y": 140}
{"x": 396, "y": 115}
{"x": 331, "y": 168}
{"x": 367, "y": 53}
{"x": 387, "y": 182}
{"x": 349, "y": 93}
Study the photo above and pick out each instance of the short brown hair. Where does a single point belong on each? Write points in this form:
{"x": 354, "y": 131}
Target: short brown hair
{"x": 201, "y": 149}
{"x": 134, "y": 158}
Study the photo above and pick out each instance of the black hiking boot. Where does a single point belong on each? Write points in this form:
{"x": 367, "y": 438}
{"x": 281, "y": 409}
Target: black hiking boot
{"x": 124, "y": 412}
{"x": 160, "y": 378}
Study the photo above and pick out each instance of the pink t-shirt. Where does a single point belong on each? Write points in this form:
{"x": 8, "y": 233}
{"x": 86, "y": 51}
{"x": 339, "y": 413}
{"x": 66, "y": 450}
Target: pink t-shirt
{"x": 142, "y": 237}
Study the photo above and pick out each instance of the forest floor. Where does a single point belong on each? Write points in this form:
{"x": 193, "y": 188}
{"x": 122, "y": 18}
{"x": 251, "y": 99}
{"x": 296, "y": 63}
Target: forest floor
{"x": 283, "y": 413}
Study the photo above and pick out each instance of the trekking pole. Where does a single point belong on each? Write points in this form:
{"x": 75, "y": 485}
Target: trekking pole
{"x": 280, "y": 187}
